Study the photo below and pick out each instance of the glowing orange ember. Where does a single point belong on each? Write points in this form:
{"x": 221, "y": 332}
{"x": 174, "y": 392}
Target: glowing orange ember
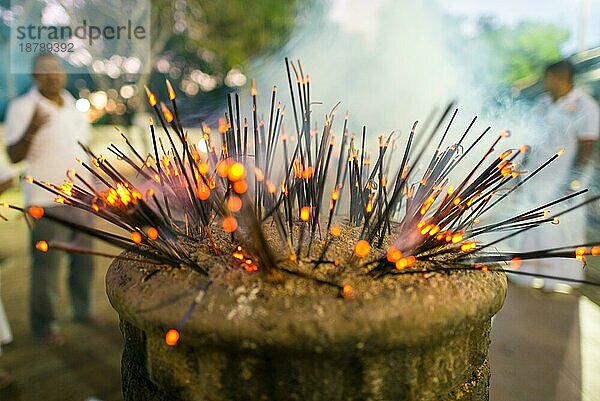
{"x": 172, "y": 337}
{"x": 336, "y": 231}
{"x": 121, "y": 196}
{"x": 238, "y": 254}
{"x": 305, "y": 213}
{"x": 151, "y": 97}
{"x": 166, "y": 112}
{"x": 516, "y": 262}
{"x": 393, "y": 254}
{"x": 240, "y": 187}
{"x": 66, "y": 188}
{"x": 405, "y": 262}
{"x": 456, "y": 238}
{"x": 236, "y": 172}
{"x": 36, "y": 212}
{"x": 436, "y": 229}
{"x": 203, "y": 168}
{"x": 505, "y": 171}
{"x": 483, "y": 268}
{"x": 152, "y": 233}
{"x": 223, "y": 126}
{"x": 136, "y": 237}
{"x": 347, "y": 291}
{"x": 203, "y": 192}
{"x": 595, "y": 250}
{"x": 307, "y": 173}
{"x": 42, "y": 246}
{"x": 362, "y": 248}
{"x": 230, "y": 224}
{"x": 170, "y": 90}
{"x": 250, "y": 266}
{"x": 468, "y": 246}
{"x": 505, "y": 154}
{"x": 426, "y": 229}
{"x": 427, "y": 204}
{"x": 234, "y": 203}
{"x": 580, "y": 252}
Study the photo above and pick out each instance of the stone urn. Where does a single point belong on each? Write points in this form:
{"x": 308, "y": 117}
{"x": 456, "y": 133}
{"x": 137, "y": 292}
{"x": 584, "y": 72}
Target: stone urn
{"x": 405, "y": 338}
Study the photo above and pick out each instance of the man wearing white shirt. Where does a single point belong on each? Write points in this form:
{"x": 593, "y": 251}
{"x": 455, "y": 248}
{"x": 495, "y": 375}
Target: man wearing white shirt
{"x": 42, "y": 129}
{"x": 568, "y": 119}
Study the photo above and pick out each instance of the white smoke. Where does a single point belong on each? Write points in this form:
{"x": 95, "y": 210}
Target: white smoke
{"x": 392, "y": 62}
{"x": 389, "y": 63}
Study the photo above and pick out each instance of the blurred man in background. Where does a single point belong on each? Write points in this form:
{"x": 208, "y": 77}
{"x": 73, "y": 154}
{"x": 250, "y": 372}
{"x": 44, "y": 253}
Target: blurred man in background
{"x": 567, "y": 119}
{"x": 42, "y": 129}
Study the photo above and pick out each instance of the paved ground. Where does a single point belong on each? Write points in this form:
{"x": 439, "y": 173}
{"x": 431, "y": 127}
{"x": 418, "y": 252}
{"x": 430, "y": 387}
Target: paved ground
{"x": 538, "y": 345}
{"x": 545, "y": 346}
{"x": 88, "y": 366}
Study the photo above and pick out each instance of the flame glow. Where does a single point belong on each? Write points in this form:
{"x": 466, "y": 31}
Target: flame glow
{"x": 362, "y": 248}
{"x": 172, "y": 337}
{"x": 42, "y": 246}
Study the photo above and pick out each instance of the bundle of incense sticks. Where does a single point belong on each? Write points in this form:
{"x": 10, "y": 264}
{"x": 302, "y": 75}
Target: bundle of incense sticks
{"x": 183, "y": 194}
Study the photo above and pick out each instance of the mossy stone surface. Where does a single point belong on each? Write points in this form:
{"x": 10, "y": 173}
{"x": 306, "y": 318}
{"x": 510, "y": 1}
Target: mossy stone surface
{"x": 410, "y": 338}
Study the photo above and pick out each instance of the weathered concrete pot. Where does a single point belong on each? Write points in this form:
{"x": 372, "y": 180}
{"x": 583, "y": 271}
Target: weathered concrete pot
{"x": 409, "y": 342}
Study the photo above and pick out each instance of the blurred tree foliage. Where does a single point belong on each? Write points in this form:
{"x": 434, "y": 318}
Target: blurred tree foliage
{"x": 523, "y": 50}
{"x": 208, "y": 35}
{"x": 214, "y": 36}
{"x": 223, "y": 33}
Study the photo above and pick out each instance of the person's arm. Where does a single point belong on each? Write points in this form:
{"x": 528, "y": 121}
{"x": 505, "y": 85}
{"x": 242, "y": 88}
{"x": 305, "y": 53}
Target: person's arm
{"x": 18, "y": 150}
{"x": 587, "y": 128}
{"x": 585, "y": 151}
{"x": 587, "y": 135}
